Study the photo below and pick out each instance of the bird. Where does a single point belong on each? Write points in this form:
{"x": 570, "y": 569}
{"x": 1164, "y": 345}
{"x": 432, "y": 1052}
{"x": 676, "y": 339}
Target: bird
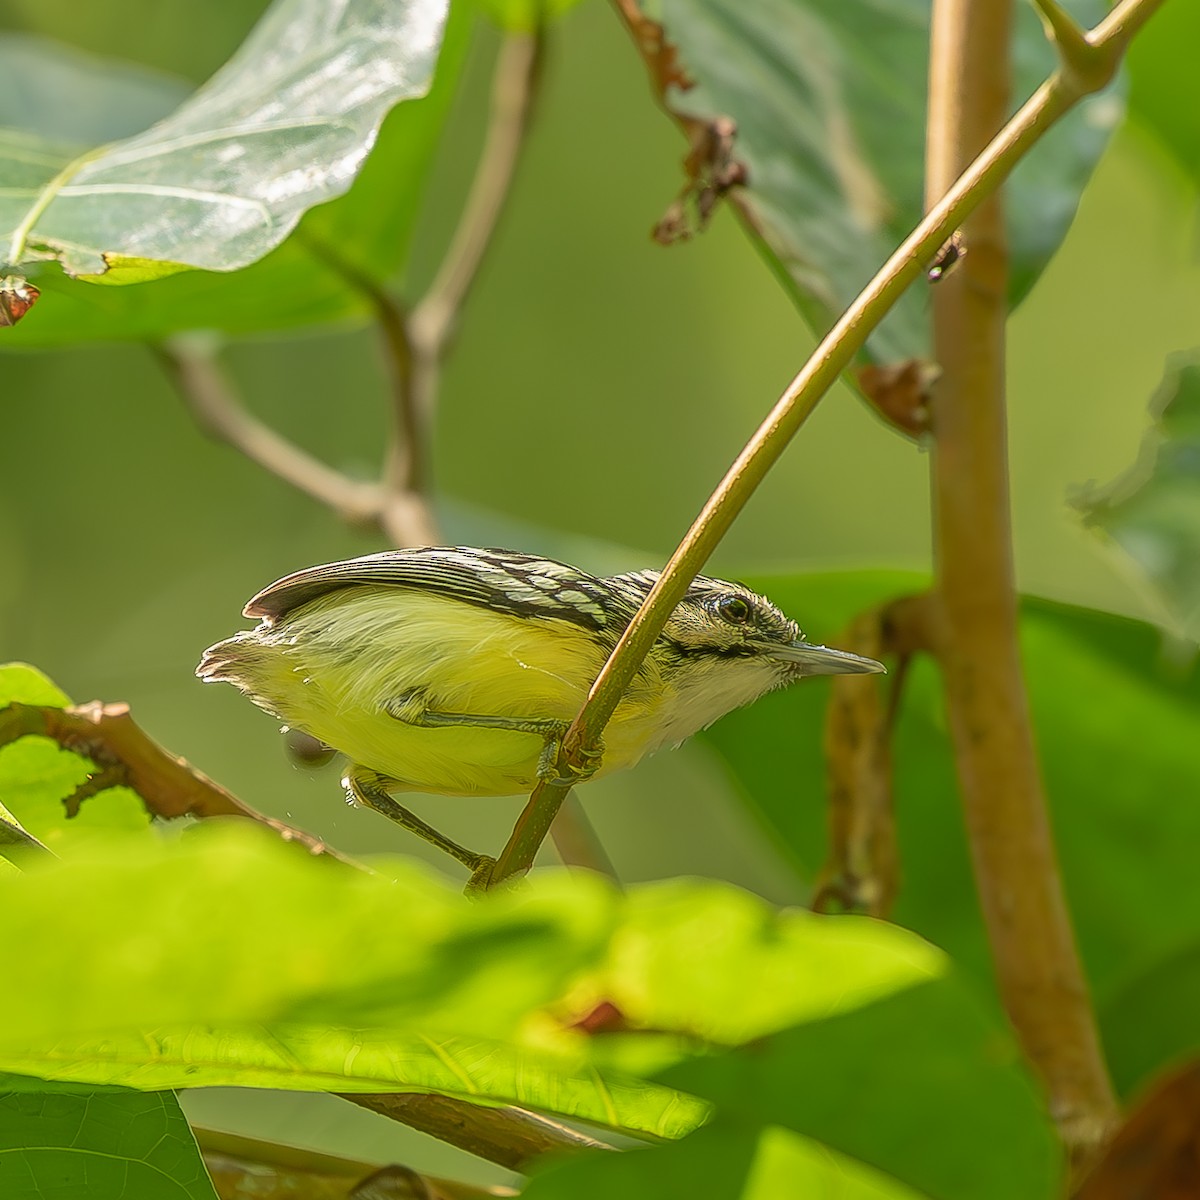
{"x": 456, "y": 670}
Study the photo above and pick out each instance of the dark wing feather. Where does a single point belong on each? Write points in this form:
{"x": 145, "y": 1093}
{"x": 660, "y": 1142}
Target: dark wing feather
{"x": 496, "y": 579}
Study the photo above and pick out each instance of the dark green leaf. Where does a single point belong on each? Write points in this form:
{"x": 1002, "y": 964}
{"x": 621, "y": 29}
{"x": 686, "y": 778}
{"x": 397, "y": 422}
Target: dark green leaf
{"x": 1153, "y": 1019}
{"x": 1162, "y": 84}
{"x": 723, "y": 1161}
{"x": 920, "y": 1085}
{"x": 1152, "y": 513}
{"x": 109, "y": 1145}
{"x": 829, "y": 100}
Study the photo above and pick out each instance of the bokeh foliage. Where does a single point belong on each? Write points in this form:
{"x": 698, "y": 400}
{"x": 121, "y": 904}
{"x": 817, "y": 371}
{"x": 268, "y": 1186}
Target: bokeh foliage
{"x": 127, "y": 545}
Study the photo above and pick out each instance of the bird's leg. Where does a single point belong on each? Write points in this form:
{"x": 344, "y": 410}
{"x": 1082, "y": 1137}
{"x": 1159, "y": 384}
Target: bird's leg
{"x": 410, "y": 708}
{"x": 369, "y": 788}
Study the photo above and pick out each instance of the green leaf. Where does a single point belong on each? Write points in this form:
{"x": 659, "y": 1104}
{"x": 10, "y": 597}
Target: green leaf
{"x": 1151, "y": 514}
{"x": 36, "y": 775}
{"x": 921, "y": 1085}
{"x": 316, "y": 1056}
{"x": 1162, "y": 80}
{"x": 229, "y": 958}
{"x": 283, "y": 126}
{"x": 230, "y": 925}
{"x": 302, "y": 282}
{"x": 829, "y": 100}
{"x": 103, "y": 1145}
{"x": 1116, "y": 726}
{"x": 721, "y": 966}
{"x": 1151, "y": 1019}
{"x": 721, "y": 1162}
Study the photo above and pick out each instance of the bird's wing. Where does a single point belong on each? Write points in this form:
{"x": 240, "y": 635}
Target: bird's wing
{"x": 498, "y": 579}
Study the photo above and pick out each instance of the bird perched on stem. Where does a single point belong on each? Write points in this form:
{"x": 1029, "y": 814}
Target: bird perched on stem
{"x": 457, "y": 671}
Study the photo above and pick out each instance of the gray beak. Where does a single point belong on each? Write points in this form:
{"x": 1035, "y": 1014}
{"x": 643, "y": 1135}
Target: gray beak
{"x": 824, "y": 660}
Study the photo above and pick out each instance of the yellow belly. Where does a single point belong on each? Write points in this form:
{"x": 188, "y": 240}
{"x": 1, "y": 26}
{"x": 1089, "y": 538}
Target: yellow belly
{"x": 333, "y": 667}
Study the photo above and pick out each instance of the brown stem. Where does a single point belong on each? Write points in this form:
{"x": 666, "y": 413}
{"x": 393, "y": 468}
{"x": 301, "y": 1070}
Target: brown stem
{"x": 1040, "y": 975}
{"x": 509, "y": 1136}
{"x": 514, "y": 91}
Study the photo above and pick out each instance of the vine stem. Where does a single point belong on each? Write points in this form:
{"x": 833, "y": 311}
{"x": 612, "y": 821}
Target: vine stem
{"x": 835, "y": 353}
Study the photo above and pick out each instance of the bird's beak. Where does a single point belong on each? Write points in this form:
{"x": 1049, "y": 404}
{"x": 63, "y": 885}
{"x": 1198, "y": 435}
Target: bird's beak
{"x": 824, "y": 660}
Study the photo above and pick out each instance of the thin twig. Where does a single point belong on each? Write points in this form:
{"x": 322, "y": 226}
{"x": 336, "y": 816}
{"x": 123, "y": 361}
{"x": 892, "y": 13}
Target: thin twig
{"x": 514, "y": 91}
{"x": 1029, "y": 928}
{"x": 192, "y": 365}
{"x": 415, "y": 343}
{"x": 823, "y": 368}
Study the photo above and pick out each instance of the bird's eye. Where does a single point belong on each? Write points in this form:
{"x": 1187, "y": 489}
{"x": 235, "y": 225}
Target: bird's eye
{"x": 734, "y": 609}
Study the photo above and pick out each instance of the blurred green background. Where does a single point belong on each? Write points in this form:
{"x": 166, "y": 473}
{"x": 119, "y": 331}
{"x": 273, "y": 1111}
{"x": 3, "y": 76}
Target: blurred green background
{"x": 598, "y": 389}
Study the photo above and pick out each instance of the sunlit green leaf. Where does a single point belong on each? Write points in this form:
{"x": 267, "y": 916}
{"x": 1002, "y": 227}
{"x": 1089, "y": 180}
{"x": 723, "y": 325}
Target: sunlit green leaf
{"x": 112, "y": 1145}
{"x": 229, "y": 925}
{"x": 829, "y": 101}
{"x": 285, "y": 125}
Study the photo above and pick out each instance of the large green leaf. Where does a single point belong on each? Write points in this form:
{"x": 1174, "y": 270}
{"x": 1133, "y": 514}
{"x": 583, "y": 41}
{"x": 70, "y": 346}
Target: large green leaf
{"x": 829, "y": 100}
{"x": 1151, "y": 515}
{"x": 1116, "y": 726}
{"x": 229, "y": 925}
{"x": 221, "y": 181}
{"x": 917, "y": 1094}
{"x": 111, "y": 1145}
{"x": 921, "y": 1085}
{"x": 227, "y": 957}
{"x": 300, "y": 283}
{"x": 724, "y": 1161}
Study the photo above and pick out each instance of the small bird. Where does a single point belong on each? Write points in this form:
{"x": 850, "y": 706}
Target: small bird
{"x": 457, "y": 671}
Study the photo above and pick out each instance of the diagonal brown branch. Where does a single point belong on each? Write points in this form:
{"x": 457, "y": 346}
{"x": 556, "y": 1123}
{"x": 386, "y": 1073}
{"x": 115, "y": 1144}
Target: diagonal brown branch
{"x": 127, "y": 756}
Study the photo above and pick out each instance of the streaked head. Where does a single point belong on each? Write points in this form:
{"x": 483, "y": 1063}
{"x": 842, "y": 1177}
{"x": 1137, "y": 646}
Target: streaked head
{"x": 728, "y": 620}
